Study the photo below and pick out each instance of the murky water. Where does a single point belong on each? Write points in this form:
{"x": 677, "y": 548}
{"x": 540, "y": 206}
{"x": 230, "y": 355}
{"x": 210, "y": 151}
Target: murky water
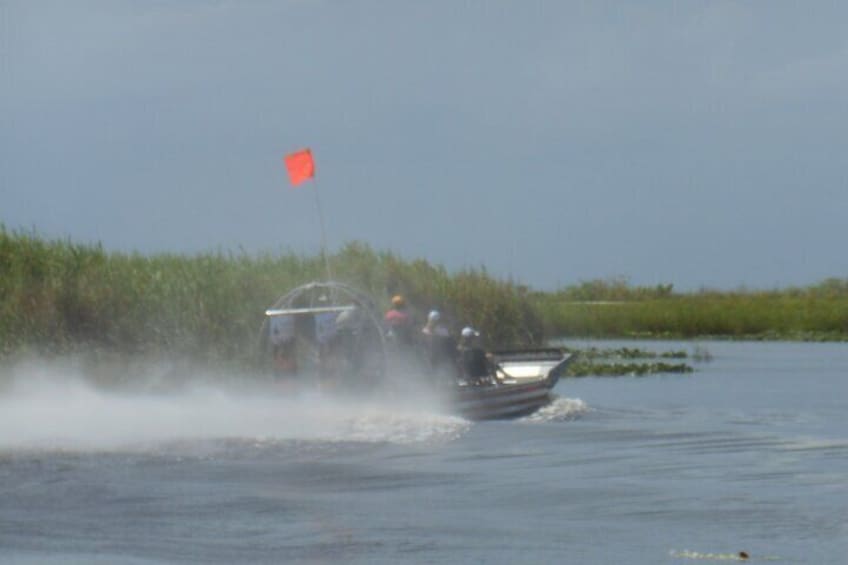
{"x": 749, "y": 453}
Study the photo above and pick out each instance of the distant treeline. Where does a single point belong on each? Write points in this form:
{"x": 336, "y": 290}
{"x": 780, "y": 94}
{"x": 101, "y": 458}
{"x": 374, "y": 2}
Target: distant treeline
{"x": 612, "y": 308}
{"x": 57, "y": 296}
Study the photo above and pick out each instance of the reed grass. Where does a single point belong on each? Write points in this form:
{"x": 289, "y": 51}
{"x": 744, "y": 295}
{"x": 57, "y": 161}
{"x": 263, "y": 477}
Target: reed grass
{"x": 57, "y": 296}
{"x": 818, "y": 312}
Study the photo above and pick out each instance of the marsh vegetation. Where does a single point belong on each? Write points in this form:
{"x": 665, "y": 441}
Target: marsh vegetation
{"x": 59, "y": 297}
{"x": 612, "y": 308}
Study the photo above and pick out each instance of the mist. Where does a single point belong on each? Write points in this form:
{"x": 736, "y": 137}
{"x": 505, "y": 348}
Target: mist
{"x": 45, "y": 406}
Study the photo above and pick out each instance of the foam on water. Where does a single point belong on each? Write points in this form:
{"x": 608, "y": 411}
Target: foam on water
{"x": 738, "y": 556}
{"x": 45, "y": 409}
{"x": 560, "y": 409}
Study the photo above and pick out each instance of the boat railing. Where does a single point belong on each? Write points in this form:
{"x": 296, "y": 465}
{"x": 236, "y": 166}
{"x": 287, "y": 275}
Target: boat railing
{"x": 534, "y": 354}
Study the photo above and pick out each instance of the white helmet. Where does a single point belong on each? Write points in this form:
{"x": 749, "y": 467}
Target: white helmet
{"x": 433, "y": 316}
{"x": 468, "y": 332}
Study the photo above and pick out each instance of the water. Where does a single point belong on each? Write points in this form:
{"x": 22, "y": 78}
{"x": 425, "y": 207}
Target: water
{"x": 749, "y": 453}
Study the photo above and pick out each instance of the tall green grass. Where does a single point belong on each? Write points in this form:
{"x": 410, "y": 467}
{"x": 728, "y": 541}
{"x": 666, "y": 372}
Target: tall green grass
{"x": 57, "y": 296}
{"x": 602, "y": 309}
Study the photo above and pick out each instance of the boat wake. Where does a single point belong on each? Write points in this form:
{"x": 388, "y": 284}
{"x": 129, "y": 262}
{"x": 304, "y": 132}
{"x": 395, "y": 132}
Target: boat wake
{"x": 560, "y": 409}
{"x": 46, "y": 410}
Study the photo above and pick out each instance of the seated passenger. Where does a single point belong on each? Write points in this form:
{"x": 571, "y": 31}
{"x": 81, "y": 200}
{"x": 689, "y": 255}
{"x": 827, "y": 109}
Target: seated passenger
{"x": 474, "y": 365}
{"x": 285, "y": 362}
{"x": 439, "y": 345}
{"x": 348, "y": 337}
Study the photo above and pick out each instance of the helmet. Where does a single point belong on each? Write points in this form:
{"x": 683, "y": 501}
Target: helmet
{"x": 469, "y": 332}
{"x": 433, "y": 316}
{"x": 397, "y": 300}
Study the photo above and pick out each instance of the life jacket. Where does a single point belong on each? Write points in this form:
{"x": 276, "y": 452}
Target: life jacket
{"x": 399, "y": 326}
{"x": 396, "y": 318}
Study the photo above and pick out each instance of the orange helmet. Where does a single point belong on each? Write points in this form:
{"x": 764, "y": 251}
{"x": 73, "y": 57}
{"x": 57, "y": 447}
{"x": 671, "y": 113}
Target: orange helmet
{"x": 397, "y": 300}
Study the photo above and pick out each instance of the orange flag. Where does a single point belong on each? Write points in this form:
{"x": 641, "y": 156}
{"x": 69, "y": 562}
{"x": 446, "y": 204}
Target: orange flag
{"x": 300, "y": 165}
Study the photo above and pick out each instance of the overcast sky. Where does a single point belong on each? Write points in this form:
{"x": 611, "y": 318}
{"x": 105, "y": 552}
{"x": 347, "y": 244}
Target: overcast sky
{"x": 700, "y": 143}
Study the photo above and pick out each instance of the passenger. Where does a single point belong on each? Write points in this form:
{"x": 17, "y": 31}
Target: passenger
{"x": 347, "y": 341}
{"x": 283, "y": 342}
{"x": 474, "y": 364}
{"x": 285, "y": 362}
{"x": 439, "y": 345}
{"x": 398, "y": 322}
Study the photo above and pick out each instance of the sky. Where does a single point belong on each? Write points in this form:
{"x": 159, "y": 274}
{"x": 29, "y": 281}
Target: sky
{"x": 698, "y": 143}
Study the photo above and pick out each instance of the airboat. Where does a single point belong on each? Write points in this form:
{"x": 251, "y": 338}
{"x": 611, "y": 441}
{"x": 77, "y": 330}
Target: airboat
{"x": 330, "y": 335}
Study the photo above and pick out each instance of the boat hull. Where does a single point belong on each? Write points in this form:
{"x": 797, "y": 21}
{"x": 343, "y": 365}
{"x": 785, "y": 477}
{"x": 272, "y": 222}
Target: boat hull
{"x": 501, "y": 402}
{"x": 508, "y": 397}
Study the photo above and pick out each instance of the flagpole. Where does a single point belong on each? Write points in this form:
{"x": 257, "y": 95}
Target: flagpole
{"x": 301, "y": 167}
{"x": 323, "y": 230}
